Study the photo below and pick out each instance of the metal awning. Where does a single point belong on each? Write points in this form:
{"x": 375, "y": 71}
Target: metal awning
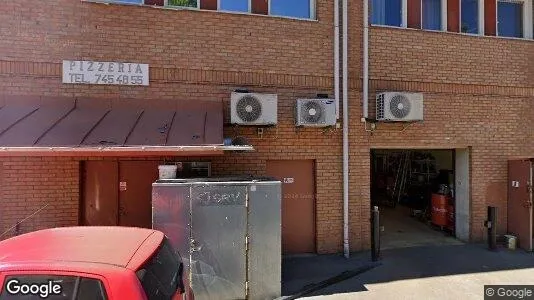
{"x": 38, "y": 126}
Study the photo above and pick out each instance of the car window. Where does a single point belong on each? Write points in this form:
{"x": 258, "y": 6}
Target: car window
{"x": 91, "y": 289}
{"x": 53, "y": 287}
{"x": 26, "y": 287}
{"x": 161, "y": 275}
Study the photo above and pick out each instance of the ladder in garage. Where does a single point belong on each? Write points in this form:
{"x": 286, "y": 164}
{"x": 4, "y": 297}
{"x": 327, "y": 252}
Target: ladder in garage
{"x": 402, "y": 175}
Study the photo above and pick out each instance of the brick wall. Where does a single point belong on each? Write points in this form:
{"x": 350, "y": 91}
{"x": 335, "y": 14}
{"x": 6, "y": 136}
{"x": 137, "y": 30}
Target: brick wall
{"x": 43, "y": 190}
{"x": 478, "y": 93}
{"x": 416, "y": 55}
{"x": 495, "y": 128}
{"x": 55, "y": 30}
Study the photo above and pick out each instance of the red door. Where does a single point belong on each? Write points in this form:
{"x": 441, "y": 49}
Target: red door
{"x": 135, "y": 196}
{"x": 298, "y": 203}
{"x": 100, "y": 193}
{"x": 520, "y": 202}
{"x": 118, "y": 193}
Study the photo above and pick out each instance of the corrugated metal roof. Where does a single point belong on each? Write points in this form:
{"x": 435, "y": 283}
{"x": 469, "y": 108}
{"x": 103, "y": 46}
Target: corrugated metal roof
{"x": 39, "y": 122}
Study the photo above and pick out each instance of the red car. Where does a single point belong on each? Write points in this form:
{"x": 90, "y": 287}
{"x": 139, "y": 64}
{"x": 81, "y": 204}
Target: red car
{"x": 90, "y": 263}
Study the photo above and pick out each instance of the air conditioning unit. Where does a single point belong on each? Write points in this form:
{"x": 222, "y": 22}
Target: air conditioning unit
{"x": 398, "y": 106}
{"x": 315, "y": 112}
{"x": 254, "y": 109}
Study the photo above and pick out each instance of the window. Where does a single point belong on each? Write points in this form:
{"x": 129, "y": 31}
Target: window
{"x": 302, "y": 9}
{"x": 183, "y": 3}
{"x": 234, "y": 5}
{"x": 510, "y": 18}
{"x": 127, "y": 1}
{"x": 386, "y": 12}
{"x": 293, "y": 8}
{"x": 431, "y": 14}
{"x": 91, "y": 289}
{"x": 424, "y": 14}
{"x": 87, "y": 288}
{"x": 469, "y": 16}
{"x": 162, "y": 275}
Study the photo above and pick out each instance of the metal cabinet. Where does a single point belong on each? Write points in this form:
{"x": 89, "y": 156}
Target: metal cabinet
{"x": 229, "y": 229}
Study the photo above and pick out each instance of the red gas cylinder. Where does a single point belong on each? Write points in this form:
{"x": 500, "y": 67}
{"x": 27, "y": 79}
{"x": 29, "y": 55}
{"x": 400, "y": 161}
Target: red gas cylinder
{"x": 439, "y": 210}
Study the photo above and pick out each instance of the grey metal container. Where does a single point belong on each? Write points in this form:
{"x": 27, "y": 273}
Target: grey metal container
{"x": 228, "y": 231}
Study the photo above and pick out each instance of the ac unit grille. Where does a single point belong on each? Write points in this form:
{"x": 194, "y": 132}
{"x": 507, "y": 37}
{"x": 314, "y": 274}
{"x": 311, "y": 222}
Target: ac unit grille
{"x": 249, "y": 108}
{"x": 380, "y": 107}
{"x": 400, "y": 106}
{"x": 312, "y": 112}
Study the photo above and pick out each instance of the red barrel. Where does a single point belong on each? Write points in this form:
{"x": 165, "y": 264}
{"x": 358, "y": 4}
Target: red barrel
{"x": 439, "y": 210}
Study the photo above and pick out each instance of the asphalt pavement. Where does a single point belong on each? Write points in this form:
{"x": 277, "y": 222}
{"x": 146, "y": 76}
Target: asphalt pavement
{"x": 428, "y": 272}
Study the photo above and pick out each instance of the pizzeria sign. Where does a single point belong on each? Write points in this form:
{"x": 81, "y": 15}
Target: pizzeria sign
{"x": 111, "y": 73}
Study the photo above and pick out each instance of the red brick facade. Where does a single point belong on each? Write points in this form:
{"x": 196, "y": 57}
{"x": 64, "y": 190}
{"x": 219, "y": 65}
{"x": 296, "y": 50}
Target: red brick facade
{"x": 478, "y": 93}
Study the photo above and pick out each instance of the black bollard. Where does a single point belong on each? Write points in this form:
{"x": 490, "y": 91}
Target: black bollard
{"x": 491, "y": 224}
{"x": 375, "y": 234}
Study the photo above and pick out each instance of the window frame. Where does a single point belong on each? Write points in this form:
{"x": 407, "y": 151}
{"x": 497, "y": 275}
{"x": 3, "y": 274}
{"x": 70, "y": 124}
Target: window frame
{"x": 528, "y": 18}
{"x": 249, "y": 10}
{"x": 527, "y": 15}
{"x": 480, "y": 18}
{"x": 313, "y": 12}
{"x": 403, "y": 14}
{"x": 440, "y": 15}
{"x": 167, "y": 5}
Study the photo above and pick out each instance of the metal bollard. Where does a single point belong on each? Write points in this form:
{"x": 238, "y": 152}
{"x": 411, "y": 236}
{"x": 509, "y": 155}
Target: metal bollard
{"x": 375, "y": 234}
{"x": 491, "y": 224}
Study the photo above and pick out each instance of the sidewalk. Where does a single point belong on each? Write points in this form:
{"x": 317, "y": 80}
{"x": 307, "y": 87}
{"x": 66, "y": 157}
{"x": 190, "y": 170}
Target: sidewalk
{"x": 301, "y": 273}
{"x": 432, "y": 272}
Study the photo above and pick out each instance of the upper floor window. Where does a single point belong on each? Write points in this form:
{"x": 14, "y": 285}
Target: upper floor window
{"x": 302, "y": 9}
{"x": 386, "y": 12}
{"x": 510, "y": 18}
{"x": 431, "y": 14}
{"x": 182, "y": 3}
{"x": 469, "y": 19}
{"x": 234, "y": 5}
{"x": 423, "y": 14}
{"x": 294, "y": 8}
{"x": 130, "y": 1}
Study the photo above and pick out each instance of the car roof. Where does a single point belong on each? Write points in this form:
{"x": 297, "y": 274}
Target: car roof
{"x": 117, "y": 246}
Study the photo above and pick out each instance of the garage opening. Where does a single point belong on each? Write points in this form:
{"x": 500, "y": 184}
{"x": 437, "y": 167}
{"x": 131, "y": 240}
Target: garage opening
{"x": 415, "y": 191}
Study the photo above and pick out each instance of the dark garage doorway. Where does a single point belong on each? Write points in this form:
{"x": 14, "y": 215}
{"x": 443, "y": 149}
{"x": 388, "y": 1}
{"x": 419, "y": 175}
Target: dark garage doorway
{"x": 415, "y": 192}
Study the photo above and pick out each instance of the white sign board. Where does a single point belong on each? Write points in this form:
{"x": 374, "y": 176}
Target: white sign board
{"x": 96, "y": 72}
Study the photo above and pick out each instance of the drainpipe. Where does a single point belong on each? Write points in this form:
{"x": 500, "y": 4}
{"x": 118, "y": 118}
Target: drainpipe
{"x": 365, "y": 93}
{"x": 336, "y": 55}
{"x": 346, "y": 248}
